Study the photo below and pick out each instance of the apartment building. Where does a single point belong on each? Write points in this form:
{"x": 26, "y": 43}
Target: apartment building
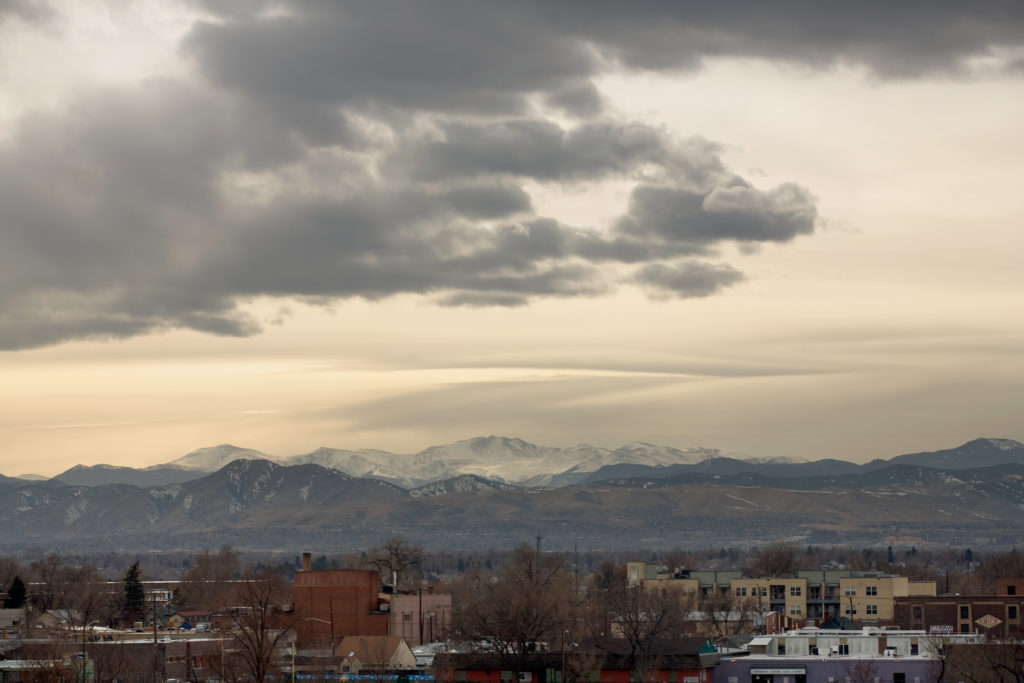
{"x": 691, "y": 581}
{"x": 812, "y": 596}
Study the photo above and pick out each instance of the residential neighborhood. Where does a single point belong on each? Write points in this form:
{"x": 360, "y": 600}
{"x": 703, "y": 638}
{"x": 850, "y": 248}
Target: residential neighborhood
{"x": 533, "y": 621}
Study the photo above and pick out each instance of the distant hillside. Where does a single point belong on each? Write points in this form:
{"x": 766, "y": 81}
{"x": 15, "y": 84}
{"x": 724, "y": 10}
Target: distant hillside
{"x": 460, "y": 484}
{"x": 257, "y": 504}
{"x": 103, "y": 475}
{"x": 976, "y": 453}
{"x": 495, "y": 458}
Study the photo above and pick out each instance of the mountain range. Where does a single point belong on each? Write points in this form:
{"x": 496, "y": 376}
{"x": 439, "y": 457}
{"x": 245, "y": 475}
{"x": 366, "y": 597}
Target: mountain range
{"x": 502, "y": 459}
{"x": 495, "y": 492}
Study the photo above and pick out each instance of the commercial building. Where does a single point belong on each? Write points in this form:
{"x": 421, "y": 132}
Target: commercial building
{"x": 997, "y": 616}
{"x": 333, "y": 603}
{"x": 812, "y": 596}
{"x": 812, "y": 655}
{"x": 423, "y": 617}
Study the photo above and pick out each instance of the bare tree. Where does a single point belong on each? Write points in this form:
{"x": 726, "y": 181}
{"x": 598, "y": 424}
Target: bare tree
{"x": 862, "y": 671}
{"x": 992, "y": 661}
{"x": 397, "y": 562}
{"x": 677, "y": 559}
{"x": 725, "y": 614}
{"x": 776, "y": 559}
{"x": 637, "y": 617}
{"x": 50, "y": 663}
{"x": 1002, "y": 565}
{"x": 110, "y": 661}
{"x": 261, "y": 628}
{"x": 10, "y": 569}
{"x": 210, "y": 580}
{"x": 520, "y": 610}
{"x": 44, "y": 575}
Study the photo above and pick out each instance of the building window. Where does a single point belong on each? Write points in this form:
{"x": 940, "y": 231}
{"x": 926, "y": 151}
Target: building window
{"x": 965, "y": 628}
{"x": 918, "y": 612}
{"x": 1011, "y": 612}
{"x": 871, "y": 590}
{"x": 1011, "y": 590}
{"x": 851, "y": 610}
{"x": 844, "y": 649}
{"x": 741, "y": 592}
{"x": 794, "y": 591}
{"x": 795, "y": 609}
{"x": 871, "y": 609}
{"x": 782, "y": 647}
{"x": 965, "y": 612}
{"x": 850, "y": 590}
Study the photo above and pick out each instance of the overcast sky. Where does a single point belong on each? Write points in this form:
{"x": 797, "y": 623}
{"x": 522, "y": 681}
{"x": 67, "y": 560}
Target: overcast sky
{"x": 775, "y": 228}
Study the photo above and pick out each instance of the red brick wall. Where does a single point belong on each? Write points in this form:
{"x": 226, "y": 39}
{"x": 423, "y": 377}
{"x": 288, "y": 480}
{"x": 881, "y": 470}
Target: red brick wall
{"x": 346, "y": 598}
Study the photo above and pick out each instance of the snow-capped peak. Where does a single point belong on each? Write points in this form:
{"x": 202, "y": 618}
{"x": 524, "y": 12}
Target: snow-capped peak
{"x": 1004, "y": 444}
{"x": 213, "y": 458}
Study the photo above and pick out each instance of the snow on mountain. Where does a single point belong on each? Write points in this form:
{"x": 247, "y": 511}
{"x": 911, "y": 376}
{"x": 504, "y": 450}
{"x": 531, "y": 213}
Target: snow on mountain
{"x": 212, "y": 458}
{"x": 640, "y": 453}
{"x": 773, "y": 460}
{"x": 370, "y": 463}
{"x": 1004, "y": 444}
{"x": 496, "y": 458}
{"x": 460, "y": 484}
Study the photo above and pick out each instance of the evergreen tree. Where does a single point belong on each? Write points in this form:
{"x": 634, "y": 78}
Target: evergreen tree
{"x": 15, "y": 594}
{"x": 889, "y": 556}
{"x": 134, "y": 595}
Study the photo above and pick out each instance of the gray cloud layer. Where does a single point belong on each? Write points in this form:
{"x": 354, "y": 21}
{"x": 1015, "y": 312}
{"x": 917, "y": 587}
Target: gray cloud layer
{"x": 365, "y": 149}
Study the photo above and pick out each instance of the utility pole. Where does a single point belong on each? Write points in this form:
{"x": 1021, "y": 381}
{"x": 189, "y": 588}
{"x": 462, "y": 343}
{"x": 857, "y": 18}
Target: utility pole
{"x": 156, "y": 646}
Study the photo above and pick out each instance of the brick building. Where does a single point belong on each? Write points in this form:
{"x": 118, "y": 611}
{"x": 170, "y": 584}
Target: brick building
{"x": 992, "y": 615}
{"x": 333, "y": 603}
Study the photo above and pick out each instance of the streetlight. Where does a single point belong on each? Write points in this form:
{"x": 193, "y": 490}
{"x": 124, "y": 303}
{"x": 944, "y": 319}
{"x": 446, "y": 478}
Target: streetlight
{"x": 324, "y": 621}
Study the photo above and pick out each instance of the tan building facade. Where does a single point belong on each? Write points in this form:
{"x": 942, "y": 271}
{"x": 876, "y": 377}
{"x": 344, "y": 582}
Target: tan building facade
{"x": 810, "y": 596}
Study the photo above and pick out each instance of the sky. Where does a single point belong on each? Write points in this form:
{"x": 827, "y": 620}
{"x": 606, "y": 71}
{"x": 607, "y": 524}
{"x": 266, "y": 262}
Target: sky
{"x": 782, "y": 229}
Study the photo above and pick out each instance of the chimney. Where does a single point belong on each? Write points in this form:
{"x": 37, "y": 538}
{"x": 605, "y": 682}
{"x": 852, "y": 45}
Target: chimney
{"x": 306, "y": 561}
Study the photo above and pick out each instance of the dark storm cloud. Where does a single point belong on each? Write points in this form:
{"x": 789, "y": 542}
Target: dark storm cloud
{"x": 484, "y": 57}
{"x": 892, "y": 39}
{"x": 576, "y": 99}
{"x": 26, "y": 10}
{"x": 689, "y": 222}
{"x": 532, "y": 148}
{"x": 449, "y": 57}
{"x": 366, "y": 149}
{"x": 688, "y": 279}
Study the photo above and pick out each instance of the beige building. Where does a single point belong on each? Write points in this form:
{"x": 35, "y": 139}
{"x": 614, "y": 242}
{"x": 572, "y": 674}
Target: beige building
{"x": 812, "y": 596}
{"x": 783, "y": 595}
{"x": 420, "y": 618}
{"x": 871, "y": 599}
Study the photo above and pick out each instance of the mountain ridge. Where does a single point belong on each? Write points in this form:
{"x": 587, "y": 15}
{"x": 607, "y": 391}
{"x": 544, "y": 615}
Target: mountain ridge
{"x": 520, "y": 463}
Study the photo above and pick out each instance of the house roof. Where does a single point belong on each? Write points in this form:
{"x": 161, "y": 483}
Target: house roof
{"x": 369, "y": 649}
